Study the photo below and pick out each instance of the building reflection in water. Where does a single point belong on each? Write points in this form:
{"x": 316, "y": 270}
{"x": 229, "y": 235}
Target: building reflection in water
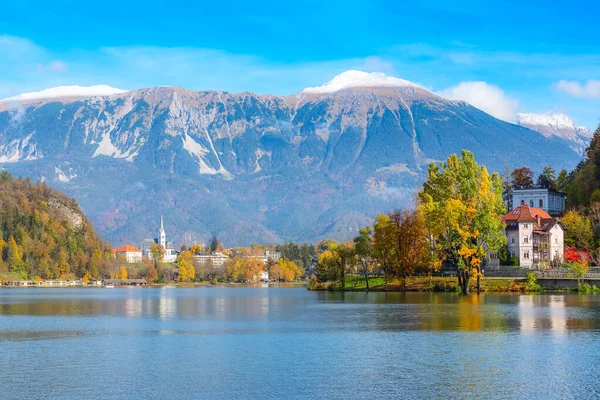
{"x": 558, "y": 315}
{"x": 527, "y": 314}
{"x": 543, "y": 313}
{"x": 167, "y": 303}
{"x": 133, "y": 307}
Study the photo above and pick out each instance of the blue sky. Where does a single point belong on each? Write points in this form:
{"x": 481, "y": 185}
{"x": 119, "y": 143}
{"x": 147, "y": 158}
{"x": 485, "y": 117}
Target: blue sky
{"x": 534, "y": 56}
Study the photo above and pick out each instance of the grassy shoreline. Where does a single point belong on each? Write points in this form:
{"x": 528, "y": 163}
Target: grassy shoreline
{"x": 433, "y": 284}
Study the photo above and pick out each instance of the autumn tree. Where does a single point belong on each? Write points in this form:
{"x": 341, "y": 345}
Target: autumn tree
{"x": 196, "y": 249}
{"x": 186, "y": 270}
{"x": 462, "y": 208}
{"x": 383, "y": 243}
{"x": 244, "y": 269}
{"x": 334, "y": 262}
{"x": 409, "y": 243}
{"x": 122, "y": 272}
{"x": 288, "y": 270}
{"x": 579, "y": 232}
{"x": 157, "y": 252}
{"x": 522, "y": 178}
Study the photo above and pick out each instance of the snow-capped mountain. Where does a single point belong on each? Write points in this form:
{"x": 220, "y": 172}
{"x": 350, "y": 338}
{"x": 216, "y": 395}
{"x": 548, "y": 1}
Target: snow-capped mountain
{"x": 558, "y": 124}
{"x": 355, "y": 79}
{"x": 65, "y": 91}
{"x": 247, "y": 167}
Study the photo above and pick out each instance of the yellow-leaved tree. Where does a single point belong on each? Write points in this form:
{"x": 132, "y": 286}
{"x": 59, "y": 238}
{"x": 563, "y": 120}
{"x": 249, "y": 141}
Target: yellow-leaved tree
{"x": 462, "y": 206}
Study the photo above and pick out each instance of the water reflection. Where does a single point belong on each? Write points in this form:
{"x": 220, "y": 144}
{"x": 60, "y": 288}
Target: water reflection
{"x": 558, "y": 315}
{"x": 527, "y": 314}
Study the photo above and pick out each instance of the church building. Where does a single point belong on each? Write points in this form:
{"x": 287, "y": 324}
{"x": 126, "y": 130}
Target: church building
{"x": 170, "y": 254}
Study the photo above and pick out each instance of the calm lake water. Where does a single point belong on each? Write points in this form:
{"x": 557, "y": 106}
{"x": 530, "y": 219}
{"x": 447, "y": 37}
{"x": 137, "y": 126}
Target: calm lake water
{"x": 220, "y": 342}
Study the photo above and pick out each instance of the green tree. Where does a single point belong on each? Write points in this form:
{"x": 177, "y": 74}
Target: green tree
{"x": 462, "y": 206}
{"x": 363, "y": 245}
{"x": 214, "y": 244}
{"x": 585, "y": 179}
{"x": 547, "y": 179}
{"x": 563, "y": 180}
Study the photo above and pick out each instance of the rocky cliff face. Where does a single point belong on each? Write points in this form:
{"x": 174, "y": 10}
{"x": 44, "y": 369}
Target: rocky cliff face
{"x": 254, "y": 168}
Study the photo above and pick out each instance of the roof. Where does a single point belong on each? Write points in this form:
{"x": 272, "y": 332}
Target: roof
{"x": 524, "y": 213}
{"x": 127, "y": 248}
{"x": 541, "y": 220}
{"x": 538, "y": 189}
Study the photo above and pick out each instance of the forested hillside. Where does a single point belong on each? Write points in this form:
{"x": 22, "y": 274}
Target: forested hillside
{"x": 43, "y": 233}
{"x": 584, "y": 186}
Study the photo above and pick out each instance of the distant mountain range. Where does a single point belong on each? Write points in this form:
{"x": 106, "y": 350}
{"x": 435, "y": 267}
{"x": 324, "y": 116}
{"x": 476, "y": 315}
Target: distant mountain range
{"x": 255, "y": 168}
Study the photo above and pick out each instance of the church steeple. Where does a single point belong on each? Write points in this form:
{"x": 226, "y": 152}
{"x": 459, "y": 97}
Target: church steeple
{"x": 161, "y": 234}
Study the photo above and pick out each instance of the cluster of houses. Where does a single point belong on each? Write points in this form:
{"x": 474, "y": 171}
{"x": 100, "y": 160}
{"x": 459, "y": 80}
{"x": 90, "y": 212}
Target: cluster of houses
{"x": 535, "y": 234}
{"x": 133, "y": 255}
{"x": 77, "y": 282}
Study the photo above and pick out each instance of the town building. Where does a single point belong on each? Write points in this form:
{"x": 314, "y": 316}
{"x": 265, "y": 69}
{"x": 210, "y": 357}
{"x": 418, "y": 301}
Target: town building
{"x": 266, "y": 256}
{"x": 170, "y": 254}
{"x": 217, "y": 259}
{"x": 131, "y": 253}
{"x": 534, "y": 236}
{"x": 549, "y": 200}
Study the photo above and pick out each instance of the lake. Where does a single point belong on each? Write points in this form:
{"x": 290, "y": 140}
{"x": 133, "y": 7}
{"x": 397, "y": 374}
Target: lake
{"x": 224, "y": 342}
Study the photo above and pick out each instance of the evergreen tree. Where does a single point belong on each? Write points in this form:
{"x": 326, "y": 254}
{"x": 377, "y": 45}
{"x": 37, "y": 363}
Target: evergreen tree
{"x": 214, "y": 244}
{"x": 547, "y": 179}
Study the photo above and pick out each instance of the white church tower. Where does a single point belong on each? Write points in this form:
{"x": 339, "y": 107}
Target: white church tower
{"x": 161, "y": 234}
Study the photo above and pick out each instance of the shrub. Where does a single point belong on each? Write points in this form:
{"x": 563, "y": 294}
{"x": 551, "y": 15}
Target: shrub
{"x": 446, "y": 287}
{"x": 532, "y": 285}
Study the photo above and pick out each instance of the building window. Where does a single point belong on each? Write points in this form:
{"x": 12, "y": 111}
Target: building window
{"x": 525, "y": 239}
{"x": 556, "y": 240}
{"x": 530, "y": 203}
{"x": 512, "y": 239}
{"x": 541, "y": 203}
{"x": 525, "y": 226}
{"x": 526, "y": 254}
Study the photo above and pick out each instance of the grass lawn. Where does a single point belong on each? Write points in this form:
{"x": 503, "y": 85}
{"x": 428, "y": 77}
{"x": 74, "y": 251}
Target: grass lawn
{"x": 426, "y": 284}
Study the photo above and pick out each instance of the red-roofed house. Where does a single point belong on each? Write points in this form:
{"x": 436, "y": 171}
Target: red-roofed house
{"x": 131, "y": 253}
{"x": 534, "y": 236}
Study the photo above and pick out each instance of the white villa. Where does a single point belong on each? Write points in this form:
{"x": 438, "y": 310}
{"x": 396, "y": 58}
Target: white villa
{"x": 170, "y": 252}
{"x": 131, "y": 253}
{"x": 534, "y": 236}
{"x": 549, "y": 200}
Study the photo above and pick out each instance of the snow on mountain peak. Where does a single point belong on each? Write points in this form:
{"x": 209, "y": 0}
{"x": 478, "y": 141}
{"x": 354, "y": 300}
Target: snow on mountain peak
{"x": 353, "y": 79}
{"x": 67, "y": 91}
{"x": 553, "y": 119}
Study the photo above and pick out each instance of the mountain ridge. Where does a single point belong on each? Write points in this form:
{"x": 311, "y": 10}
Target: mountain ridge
{"x": 247, "y": 167}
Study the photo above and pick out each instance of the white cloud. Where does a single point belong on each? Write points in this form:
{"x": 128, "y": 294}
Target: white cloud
{"x": 591, "y": 88}
{"x": 486, "y": 97}
{"x": 55, "y": 66}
